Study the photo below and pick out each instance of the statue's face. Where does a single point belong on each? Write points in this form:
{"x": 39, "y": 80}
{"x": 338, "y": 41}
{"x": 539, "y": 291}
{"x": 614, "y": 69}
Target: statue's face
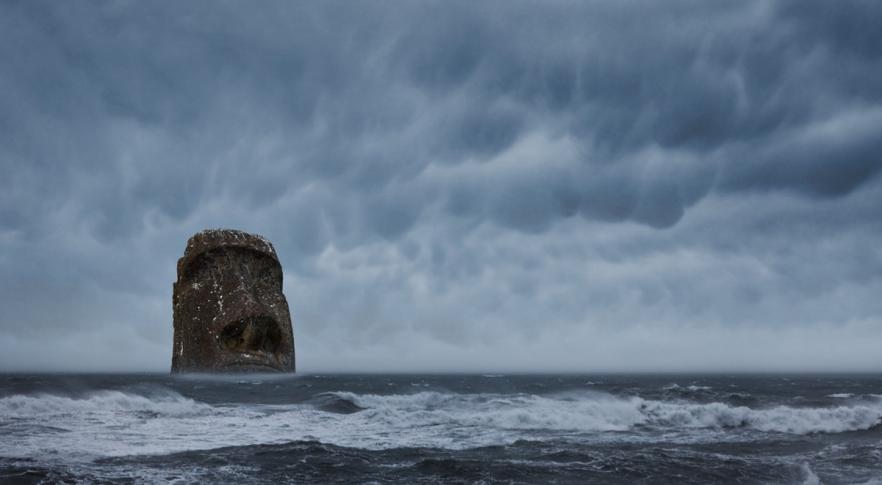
{"x": 231, "y": 313}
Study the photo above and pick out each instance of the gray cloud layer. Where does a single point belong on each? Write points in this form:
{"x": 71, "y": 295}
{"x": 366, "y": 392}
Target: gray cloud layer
{"x": 451, "y": 186}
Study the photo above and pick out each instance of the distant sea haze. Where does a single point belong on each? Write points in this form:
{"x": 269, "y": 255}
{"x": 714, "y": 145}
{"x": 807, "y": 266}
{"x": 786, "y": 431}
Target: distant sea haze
{"x": 436, "y": 428}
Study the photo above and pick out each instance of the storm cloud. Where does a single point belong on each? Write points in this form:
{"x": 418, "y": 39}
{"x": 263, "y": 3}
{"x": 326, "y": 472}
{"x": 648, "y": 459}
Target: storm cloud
{"x": 460, "y": 186}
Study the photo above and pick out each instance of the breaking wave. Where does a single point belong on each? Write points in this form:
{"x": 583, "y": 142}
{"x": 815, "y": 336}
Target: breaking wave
{"x": 115, "y": 423}
{"x": 48, "y": 405}
{"x": 591, "y": 412}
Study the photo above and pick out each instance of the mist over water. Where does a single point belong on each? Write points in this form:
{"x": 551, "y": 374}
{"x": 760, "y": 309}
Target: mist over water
{"x": 408, "y": 428}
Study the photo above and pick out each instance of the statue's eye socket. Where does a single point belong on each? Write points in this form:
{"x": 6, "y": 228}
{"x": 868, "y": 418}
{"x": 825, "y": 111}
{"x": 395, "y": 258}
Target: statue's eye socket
{"x": 199, "y": 269}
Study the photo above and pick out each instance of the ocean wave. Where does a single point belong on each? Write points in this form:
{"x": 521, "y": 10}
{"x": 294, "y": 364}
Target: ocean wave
{"x": 116, "y": 423}
{"x": 48, "y": 405}
{"x": 600, "y": 412}
{"x": 595, "y": 411}
{"x": 783, "y": 419}
{"x": 332, "y": 403}
{"x": 676, "y": 387}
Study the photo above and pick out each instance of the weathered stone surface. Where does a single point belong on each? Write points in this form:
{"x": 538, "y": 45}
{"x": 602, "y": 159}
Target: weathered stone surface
{"x": 229, "y": 311}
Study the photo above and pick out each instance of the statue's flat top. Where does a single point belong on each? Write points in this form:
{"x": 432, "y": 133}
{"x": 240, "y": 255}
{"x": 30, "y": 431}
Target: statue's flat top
{"x": 215, "y": 238}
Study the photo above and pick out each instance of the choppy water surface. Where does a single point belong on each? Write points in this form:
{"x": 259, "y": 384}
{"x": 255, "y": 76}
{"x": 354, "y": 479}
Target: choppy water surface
{"x": 406, "y": 428}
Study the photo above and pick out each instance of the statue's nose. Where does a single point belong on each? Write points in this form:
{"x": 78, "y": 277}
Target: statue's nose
{"x": 244, "y": 300}
{"x": 253, "y": 328}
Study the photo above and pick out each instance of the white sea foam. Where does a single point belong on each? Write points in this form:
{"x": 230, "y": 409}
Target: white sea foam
{"x": 587, "y": 412}
{"x": 676, "y": 387}
{"x": 811, "y": 478}
{"x": 783, "y": 419}
{"x": 49, "y": 406}
{"x": 114, "y": 423}
{"x": 699, "y": 388}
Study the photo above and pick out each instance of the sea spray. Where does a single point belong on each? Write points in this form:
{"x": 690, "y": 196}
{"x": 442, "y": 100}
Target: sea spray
{"x": 405, "y": 428}
{"x": 596, "y": 411}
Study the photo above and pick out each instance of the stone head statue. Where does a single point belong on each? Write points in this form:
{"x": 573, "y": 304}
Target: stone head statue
{"x": 229, "y": 311}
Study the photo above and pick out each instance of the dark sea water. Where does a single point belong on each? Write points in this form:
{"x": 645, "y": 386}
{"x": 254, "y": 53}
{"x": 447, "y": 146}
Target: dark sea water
{"x": 441, "y": 428}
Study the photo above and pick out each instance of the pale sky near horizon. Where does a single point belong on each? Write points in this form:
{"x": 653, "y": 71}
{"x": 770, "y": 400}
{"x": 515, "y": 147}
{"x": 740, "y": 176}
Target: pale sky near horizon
{"x": 491, "y": 186}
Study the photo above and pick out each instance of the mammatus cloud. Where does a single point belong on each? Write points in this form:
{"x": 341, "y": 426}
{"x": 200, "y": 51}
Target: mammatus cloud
{"x": 453, "y": 186}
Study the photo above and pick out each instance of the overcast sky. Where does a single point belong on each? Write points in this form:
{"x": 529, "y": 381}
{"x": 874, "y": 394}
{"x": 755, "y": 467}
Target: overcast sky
{"x": 451, "y": 186}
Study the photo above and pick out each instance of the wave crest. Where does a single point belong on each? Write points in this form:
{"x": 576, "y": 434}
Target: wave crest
{"x": 596, "y": 411}
{"x": 161, "y": 421}
{"x": 782, "y": 419}
{"x": 166, "y": 403}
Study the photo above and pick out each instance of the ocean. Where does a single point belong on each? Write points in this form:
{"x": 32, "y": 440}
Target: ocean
{"x": 800, "y": 429}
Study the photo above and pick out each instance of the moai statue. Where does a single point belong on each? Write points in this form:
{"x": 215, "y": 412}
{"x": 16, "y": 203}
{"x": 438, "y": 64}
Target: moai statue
{"x": 229, "y": 311}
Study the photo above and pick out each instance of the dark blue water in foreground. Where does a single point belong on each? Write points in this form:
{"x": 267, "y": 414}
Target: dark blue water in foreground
{"x": 410, "y": 429}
